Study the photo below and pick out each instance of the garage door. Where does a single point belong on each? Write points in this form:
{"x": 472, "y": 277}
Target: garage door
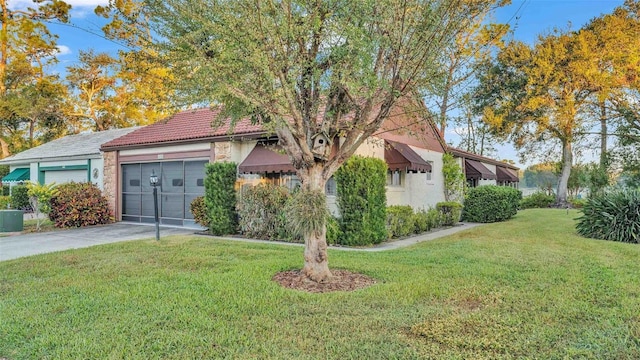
{"x": 65, "y": 176}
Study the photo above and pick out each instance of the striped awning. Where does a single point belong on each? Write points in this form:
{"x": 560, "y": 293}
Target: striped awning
{"x": 477, "y": 170}
{"x": 263, "y": 159}
{"x": 505, "y": 174}
{"x": 400, "y": 156}
{"x": 17, "y": 175}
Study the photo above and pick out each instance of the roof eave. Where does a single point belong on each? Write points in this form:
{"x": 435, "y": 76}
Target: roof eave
{"x": 218, "y": 138}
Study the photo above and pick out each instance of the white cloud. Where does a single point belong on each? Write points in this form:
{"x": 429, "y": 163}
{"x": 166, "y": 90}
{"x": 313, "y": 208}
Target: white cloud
{"x": 63, "y": 50}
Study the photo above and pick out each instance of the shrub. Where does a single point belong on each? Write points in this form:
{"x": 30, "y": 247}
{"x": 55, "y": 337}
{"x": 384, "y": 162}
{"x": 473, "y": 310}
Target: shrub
{"x": 6, "y": 190}
{"x": 79, "y": 204}
{"x": 400, "y": 221}
{"x": 537, "y": 200}
{"x": 5, "y": 201}
{"x": 261, "y": 212}
{"x": 333, "y": 230}
{"x": 20, "y": 198}
{"x": 420, "y": 221}
{"x": 362, "y": 201}
{"x": 220, "y": 197}
{"x": 491, "y": 203}
{"x": 612, "y": 216}
{"x": 199, "y": 211}
{"x": 577, "y": 203}
{"x": 449, "y": 212}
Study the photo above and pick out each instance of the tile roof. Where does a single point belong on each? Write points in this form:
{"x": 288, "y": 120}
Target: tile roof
{"x": 80, "y": 145}
{"x": 184, "y": 126}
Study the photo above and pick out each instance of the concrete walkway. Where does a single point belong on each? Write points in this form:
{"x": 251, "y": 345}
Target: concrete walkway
{"x": 391, "y": 245}
{"x": 16, "y": 246}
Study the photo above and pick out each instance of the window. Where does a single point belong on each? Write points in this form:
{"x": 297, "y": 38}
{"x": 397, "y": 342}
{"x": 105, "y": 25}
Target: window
{"x": 394, "y": 178}
{"x": 428, "y": 175}
{"x": 330, "y": 187}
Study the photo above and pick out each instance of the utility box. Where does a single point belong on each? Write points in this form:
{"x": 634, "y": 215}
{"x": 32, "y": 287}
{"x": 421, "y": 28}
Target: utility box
{"x": 11, "y": 220}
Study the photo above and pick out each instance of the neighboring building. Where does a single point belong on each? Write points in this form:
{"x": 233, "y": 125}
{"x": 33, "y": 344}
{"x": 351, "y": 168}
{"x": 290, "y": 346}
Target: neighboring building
{"x": 178, "y": 148}
{"x": 480, "y": 170}
{"x": 72, "y": 158}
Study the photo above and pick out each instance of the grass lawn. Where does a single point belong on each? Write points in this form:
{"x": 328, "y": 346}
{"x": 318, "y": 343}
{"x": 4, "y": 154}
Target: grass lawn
{"x": 527, "y": 288}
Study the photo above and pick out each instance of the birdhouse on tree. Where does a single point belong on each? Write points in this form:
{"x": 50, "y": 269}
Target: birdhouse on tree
{"x": 321, "y": 146}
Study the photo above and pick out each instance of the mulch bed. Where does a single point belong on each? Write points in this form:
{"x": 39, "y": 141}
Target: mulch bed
{"x": 342, "y": 280}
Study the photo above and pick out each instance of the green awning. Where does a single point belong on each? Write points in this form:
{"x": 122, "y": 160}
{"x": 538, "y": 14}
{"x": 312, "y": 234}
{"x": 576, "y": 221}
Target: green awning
{"x": 17, "y": 175}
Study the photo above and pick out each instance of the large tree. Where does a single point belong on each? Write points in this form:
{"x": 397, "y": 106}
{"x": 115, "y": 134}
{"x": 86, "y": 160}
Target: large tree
{"x": 27, "y": 94}
{"x": 309, "y": 69}
{"x": 539, "y": 95}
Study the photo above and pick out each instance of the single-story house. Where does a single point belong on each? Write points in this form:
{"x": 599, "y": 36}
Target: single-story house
{"x": 71, "y": 158}
{"x": 177, "y": 149}
{"x": 481, "y": 170}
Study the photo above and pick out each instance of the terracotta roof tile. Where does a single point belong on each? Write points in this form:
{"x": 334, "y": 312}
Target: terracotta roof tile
{"x": 183, "y": 126}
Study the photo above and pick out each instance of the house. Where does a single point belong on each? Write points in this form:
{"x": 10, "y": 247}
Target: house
{"x": 177, "y": 149}
{"x": 71, "y": 158}
{"x": 480, "y": 170}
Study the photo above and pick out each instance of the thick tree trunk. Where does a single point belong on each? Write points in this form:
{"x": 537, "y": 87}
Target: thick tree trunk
{"x": 316, "y": 261}
{"x": 567, "y": 162}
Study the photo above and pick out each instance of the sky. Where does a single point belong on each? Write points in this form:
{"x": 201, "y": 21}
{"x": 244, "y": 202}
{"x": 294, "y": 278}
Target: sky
{"x": 528, "y": 19}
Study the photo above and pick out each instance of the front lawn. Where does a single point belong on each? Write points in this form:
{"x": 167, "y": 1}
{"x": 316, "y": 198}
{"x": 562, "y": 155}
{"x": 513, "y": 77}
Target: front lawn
{"x": 527, "y": 288}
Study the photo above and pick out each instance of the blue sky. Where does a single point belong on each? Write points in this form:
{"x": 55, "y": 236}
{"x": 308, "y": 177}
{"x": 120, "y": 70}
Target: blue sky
{"x": 528, "y": 18}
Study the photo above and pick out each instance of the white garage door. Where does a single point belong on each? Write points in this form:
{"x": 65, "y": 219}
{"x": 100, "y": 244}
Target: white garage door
{"x": 65, "y": 176}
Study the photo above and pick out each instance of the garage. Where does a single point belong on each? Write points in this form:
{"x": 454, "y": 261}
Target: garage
{"x": 180, "y": 182}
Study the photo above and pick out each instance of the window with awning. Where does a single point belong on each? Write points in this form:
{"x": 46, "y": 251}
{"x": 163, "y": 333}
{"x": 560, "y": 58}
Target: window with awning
{"x": 506, "y": 175}
{"x": 400, "y": 156}
{"x": 266, "y": 159}
{"x": 476, "y": 170}
{"x": 17, "y": 175}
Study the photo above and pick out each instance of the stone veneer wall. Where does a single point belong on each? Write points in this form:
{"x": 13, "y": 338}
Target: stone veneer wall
{"x": 222, "y": 151}
{"x": 110, "y": 180}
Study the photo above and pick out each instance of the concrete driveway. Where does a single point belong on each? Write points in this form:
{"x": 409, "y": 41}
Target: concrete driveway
{"x": 15, "y": 246}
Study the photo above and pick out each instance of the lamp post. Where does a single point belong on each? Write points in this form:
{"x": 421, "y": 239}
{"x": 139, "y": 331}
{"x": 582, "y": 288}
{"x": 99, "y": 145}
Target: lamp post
{"x": 153, "y": 180}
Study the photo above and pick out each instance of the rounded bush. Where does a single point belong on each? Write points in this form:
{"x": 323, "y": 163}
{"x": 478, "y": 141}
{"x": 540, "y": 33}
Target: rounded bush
{"x": 20, "y": 198}
{"x": 450, "y": 212}
{"x": 400, "y": 221}
{"x": 199, "y": 211}
{"x": 491, "y": 203}
{"x": 79, "y": 204}
{"x": 261, "y": 211}
{"x": 537, "y": 200}
{"x": 612, "y": 216}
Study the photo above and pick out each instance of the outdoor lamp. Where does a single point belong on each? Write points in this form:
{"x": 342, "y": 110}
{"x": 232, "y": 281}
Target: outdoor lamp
{"x": 153, "y": 180}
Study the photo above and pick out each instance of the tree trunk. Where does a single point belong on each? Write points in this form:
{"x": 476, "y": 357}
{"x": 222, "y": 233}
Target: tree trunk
{"x": 567, "y": 162}
{"x": 316, "y": 261}
{"x": 603, "y": 136}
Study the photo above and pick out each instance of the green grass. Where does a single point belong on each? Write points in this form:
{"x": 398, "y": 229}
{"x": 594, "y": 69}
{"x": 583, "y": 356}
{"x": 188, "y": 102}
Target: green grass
{"x": 527, "y": 288}
{"x": 45, "y": 225}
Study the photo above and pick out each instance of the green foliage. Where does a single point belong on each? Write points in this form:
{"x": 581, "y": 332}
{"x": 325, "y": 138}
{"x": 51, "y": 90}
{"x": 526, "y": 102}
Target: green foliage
{"x": 426, "y": 220}
{"x": 454, "y": 179}
{"x": 307, "y": 213}
{"x": 362, "y": 201}
{"x": 450, "y": 212}
{"x": 613, "y": 215}
{"x": 5, "y": 201}
{"x": 577, "y": 203}
{"x": 261, "y": 211}
{"x": 20, "y": 198}
{"x": 39, "y": 197}
{"x": 537, "y": 200}
{"x": 333, "y": 230}
{"x": 78, "y": 205}
{"x": 597, "y": 178}
{"x": 4, "y": 170}
{"x": 220, "y": 197}
{"x": 199, "y": 211}
{"x": 400, "y": 221}
{"x": 490, "y": 203}
{"x": 6, "y": 190}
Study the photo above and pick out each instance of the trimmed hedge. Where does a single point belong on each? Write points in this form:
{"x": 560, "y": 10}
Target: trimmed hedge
{"x": 449, "y": 212}
{"x": 400, "y": 221}
{"x": 537, "y": 200}
{"x": 199, "y": 211}
{"x": 79, "y": 204}
{"x": 20, "y": 198}
{"x": 220, "y": 197}
{"x": 362, "y": 201}
{"x": 5, "y": 201}
{"x": 612, "y": 216}
{"x": 261, "y": 212}
{"x": 491, "y": 203}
